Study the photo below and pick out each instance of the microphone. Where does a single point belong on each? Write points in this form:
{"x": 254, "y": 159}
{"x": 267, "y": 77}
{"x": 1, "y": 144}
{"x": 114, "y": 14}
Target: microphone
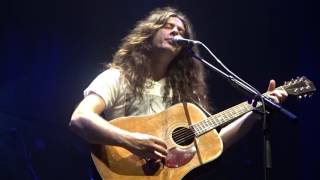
{"x": 184, "y": 42}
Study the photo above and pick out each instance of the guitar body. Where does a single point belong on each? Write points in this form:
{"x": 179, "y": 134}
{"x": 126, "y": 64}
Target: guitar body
{"x": 114, "y": 162}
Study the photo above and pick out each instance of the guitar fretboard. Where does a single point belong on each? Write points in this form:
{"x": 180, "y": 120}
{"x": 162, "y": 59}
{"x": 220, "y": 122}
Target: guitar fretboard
{"x": 224, "y": 117}
{"x": 221, "y": 118}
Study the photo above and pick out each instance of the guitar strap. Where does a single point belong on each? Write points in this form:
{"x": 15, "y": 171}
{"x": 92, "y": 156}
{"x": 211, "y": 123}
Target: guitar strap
{"x": 201, "y": 107}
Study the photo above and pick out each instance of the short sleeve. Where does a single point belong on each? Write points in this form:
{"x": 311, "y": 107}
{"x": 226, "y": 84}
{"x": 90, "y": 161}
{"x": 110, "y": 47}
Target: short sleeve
{"x": 107, "y": 85}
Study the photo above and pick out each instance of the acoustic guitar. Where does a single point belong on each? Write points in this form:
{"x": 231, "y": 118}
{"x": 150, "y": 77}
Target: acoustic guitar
{"x": 189, "y": 134}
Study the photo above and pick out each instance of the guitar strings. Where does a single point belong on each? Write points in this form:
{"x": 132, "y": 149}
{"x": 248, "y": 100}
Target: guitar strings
{"x": 184, "y": 132}
{"x": 186, "y": 136}
{"x": 188, "y": 133}
{"x": 212, "y": 124}
{"x": 183, "y": 135}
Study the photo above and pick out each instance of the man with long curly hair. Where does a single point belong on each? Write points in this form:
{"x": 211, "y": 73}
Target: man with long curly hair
{"x": 148, "y": 74}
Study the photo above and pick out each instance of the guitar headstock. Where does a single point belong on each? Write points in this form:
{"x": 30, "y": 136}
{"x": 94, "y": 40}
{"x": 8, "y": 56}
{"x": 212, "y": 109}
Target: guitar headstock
{"x": 300, "y": 86}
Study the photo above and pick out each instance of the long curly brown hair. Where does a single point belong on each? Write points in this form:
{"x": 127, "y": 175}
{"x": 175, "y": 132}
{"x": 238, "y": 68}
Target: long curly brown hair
{"x": 185, "y": 75}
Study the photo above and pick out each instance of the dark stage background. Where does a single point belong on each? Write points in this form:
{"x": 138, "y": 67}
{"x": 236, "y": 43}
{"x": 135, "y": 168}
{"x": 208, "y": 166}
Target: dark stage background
{"x": 51, "y": 50}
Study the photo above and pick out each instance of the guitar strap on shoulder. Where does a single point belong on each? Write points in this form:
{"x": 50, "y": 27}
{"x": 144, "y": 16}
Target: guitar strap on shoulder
{"x": 198, "y": 103}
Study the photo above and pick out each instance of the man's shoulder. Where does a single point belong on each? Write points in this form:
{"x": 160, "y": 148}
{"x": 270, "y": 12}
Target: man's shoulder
{"x": 111, "y": 73}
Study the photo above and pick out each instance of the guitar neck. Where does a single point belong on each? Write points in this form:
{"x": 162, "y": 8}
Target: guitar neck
{"x": 224, "y": 117}
{"x": 221, "y": 118}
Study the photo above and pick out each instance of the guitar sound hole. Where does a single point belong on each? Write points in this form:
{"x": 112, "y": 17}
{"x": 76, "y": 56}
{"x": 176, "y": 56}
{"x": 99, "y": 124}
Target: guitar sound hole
{"x": 183, "y": 136}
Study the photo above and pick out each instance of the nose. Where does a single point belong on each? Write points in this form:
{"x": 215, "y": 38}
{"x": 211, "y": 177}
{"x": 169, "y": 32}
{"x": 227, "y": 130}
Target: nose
{"x": 175, "y": 31}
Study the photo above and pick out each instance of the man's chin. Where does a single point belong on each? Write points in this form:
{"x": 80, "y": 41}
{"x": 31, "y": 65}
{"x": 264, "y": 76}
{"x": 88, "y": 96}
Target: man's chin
{"x": 172, "y": 48}
{"x": 169, "y": 49}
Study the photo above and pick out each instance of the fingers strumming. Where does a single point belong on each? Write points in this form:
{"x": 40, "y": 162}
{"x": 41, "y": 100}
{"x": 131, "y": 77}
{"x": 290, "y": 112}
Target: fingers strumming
{"x": 160, "y": 142}
{"x": 159, "y": 155}
{"x": 161, "y": 150}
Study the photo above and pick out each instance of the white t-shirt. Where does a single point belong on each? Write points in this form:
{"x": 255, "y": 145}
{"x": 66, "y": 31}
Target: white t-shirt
{"x": 112, "y": 87}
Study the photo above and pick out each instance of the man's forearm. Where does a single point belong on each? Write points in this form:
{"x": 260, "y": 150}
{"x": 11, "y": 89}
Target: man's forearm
{"x": 97, "y": 130}
{"x": 237, "y": 129}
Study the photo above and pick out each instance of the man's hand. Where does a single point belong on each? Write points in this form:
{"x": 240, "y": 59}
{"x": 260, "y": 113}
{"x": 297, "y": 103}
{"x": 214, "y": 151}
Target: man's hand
{"x": 277, "y": 95}
{"x": 147, "y": 146}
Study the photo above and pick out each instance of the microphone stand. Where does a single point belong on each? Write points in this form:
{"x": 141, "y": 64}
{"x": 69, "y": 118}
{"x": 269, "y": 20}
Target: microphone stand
{"x": 251, "y": 93}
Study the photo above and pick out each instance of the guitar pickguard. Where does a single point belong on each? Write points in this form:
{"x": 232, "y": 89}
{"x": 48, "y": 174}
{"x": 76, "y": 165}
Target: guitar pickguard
{"x": 178, "y": 157}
